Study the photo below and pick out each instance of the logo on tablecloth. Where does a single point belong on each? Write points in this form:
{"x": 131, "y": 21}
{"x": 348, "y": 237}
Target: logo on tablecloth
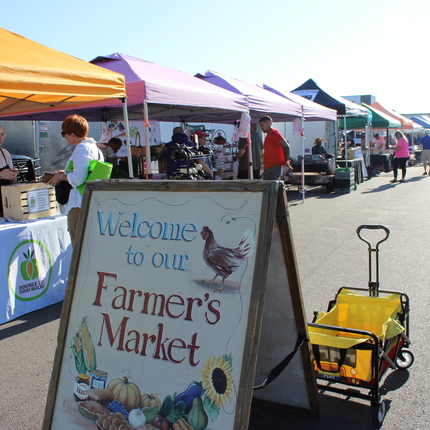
{"x": 30, "y": 270}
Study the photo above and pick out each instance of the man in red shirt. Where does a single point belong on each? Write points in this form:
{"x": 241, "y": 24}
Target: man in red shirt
{"x": 276, "y": 150}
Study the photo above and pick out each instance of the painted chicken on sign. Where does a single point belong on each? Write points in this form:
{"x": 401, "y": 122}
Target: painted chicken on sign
{"x": 224, "y": 261}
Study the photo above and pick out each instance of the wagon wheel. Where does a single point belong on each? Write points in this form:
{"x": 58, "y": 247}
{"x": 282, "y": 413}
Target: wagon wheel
{"x": 378, "y": 411}
{"x": 404, "y": 359}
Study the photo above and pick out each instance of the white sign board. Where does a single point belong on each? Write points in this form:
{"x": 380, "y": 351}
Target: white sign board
{"x": 164, "y": 305}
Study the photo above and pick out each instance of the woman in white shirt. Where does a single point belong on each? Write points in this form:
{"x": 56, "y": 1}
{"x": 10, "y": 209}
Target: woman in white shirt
{"x": 75, "y": 129}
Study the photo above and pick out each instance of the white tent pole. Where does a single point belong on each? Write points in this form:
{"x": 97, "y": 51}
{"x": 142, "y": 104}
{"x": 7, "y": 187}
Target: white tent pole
{"x": 303, "y": 155}
{"x": 127, "y": 137}
{"x": 148, "y": 150}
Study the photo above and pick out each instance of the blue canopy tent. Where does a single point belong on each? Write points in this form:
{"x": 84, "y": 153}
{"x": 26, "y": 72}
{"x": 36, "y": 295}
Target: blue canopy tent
{"x": 421, "y": 121}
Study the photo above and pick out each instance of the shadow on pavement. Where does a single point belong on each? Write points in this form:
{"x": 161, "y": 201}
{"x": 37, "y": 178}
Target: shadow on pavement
{"x": 394, "y": 381}
{"x": 384, "y": 187}
{"x": 30, "y": 321}
{"x": 337, "y": 413}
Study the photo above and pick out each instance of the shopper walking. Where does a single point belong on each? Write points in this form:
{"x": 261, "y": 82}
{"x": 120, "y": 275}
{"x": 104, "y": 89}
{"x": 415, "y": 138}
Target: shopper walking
{"x": 401, "y": 156}
{"x": 425, "y": 151}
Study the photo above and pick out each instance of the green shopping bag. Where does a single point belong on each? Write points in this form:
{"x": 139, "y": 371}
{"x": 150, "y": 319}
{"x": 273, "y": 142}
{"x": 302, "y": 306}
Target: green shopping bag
{"x": 97, "y": 170}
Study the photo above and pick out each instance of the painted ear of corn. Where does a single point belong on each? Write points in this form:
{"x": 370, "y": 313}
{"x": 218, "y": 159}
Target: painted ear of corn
{"x": 87, "y": 346}
{"x": 78, "y": 354}
{"x": 83, "y": 349}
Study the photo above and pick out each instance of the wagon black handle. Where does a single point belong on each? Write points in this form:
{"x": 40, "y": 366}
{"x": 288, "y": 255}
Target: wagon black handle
{"x": 373, "y": 227}
{"x": 373, "y": 284}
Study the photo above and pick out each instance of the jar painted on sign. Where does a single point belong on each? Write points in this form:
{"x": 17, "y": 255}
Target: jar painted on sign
{"x": 82, "y": 385}
{"x": 98, "y": 379}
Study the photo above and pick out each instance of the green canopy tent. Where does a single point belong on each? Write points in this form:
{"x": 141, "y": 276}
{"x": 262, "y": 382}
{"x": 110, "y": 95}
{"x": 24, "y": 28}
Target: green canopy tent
{"x": 376, "y": 119}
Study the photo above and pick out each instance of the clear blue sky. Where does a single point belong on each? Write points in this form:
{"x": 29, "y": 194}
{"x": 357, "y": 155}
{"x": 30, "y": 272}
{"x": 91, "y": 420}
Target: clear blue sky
{"x": 377, "y": 47}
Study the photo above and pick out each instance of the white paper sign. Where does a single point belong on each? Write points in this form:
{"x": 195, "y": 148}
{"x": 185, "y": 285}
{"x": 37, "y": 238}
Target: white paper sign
{"x": 38, "y": 200}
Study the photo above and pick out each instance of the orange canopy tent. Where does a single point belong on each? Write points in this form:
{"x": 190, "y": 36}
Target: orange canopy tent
{"x": 36, "y": 78}
{"x": 407, "y": 124}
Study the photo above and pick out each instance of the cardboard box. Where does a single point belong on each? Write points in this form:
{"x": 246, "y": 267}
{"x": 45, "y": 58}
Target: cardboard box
{"x": 354, "y": 153}
{"x": 28, "y": 200}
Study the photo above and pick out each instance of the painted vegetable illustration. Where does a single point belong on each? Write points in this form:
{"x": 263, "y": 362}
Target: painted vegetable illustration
{"x": 160, "y": 422}
{"x": 79, "y": 354}
{"x": 197, "y": 417}
{"x": 128, "y": 393}
{"x": 148, "y": 400}
{"x": 136, "y": 418}
{"x": 29, "y": 269}
{"x": 166, "y": 406}
{"x": 83, "y": 349}
{"x": 193, "y": 390}
{"x": 87, "y": 346}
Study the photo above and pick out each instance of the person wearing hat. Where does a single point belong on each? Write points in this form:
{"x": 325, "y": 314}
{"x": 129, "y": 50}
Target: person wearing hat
{"x": 205, "y": 162}
{"x": 319, "y": 149}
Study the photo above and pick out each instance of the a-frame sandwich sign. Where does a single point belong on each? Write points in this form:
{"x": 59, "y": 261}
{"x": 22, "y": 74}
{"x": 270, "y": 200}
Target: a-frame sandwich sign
{"x": 180, "y": 294}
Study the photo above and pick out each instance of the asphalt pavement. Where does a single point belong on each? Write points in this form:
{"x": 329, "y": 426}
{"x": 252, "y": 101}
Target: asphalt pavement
{"x": 329, "y": 256}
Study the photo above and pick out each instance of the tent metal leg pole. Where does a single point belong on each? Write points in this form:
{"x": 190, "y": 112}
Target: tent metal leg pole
{"x": 303, "y": 155}
{"x": 147, "y": 149}
{"x": 127, "y": 138}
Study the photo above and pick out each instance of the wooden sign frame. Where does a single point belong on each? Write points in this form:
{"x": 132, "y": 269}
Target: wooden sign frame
{"x": 125, "y": 228}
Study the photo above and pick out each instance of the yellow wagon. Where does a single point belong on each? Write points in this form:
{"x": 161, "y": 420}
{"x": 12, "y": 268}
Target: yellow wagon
{"x": 358, "y": 339}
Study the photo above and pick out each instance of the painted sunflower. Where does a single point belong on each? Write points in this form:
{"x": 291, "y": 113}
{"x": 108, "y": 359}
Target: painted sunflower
{"x": 217, "y": 380}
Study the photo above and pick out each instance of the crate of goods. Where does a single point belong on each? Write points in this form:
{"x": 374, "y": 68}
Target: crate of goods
{"x": 29, "y": 200}
{"x": 344, "y": 173}
{"x": 344, "y": 178}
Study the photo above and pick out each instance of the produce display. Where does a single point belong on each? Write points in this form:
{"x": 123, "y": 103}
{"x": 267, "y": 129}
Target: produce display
{"x": 118, "y": 403}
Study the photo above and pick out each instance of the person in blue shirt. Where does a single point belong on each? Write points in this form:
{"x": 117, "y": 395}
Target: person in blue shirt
{"x": 425, "y": 151}
{"x": 175, "y": 164}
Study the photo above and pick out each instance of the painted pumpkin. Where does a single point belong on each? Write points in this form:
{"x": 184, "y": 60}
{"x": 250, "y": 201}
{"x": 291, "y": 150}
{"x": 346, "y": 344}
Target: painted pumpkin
{"x": 126, "y": 392}
{"x": 148, "y": 400}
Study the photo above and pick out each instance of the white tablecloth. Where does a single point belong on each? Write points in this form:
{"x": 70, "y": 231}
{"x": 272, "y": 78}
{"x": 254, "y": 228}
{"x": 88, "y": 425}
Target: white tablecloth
{"x": 34, "y": 265}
